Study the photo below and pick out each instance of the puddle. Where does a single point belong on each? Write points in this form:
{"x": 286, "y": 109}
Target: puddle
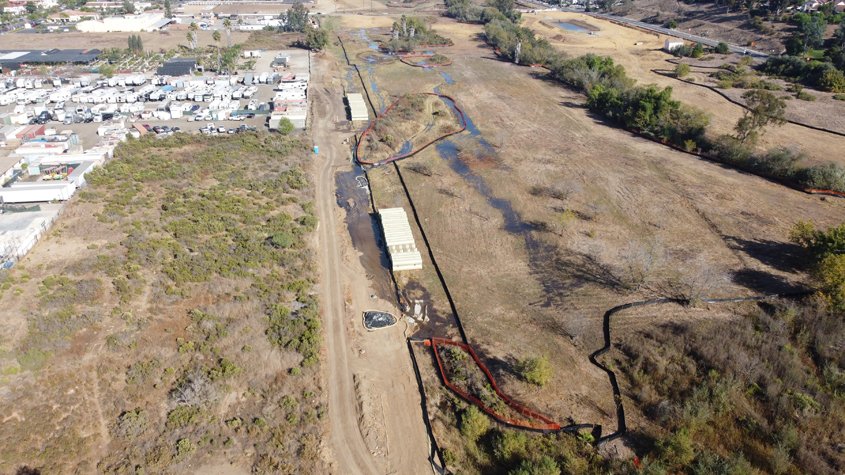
{"x": 513, "y": 222}
{"x": 447, "y": 77}
{"x": 573, "y": 27}
{"x": 353, "y": 196}
{"x": 374, "y": 320}
{"x": 437, "y": 324}
{"x": 362, "y": 33}
{"x": 406, "y": 148}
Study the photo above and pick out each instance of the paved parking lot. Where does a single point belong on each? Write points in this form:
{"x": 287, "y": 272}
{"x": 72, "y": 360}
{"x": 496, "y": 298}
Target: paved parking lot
{"x": 87, "y": 132}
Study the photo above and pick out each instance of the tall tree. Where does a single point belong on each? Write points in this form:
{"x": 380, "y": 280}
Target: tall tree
{"x": 296, "y": 18}
{"x": 811, "y": 28}
{"x": 216, "y": 37}
{"x": 168, "y": 12}
{"x": 316, "y": 39}
{"x": 192, "y": 35}
{"x": 227, "y": 24}
{"x": 763, "y": 109}
{"x": 128, "y": 7}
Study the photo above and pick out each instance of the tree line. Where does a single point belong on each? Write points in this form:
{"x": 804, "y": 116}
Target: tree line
{"x": 648, "y": 109}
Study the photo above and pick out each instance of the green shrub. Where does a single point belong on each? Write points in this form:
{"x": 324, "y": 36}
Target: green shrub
{"x": 182, "y": 416}
{"x": 805, "y": 96}
{"x": 828, "y": 176}
{"x": 682, "y": 70}
{"x": 545, "y": 466}
{"x": 722, "y": 48}
{"x": 536, "y": 370}
{"x": 510, "y": 445}
{"x": 285, "y": 126}
{"x": 131, "y": 423}
{"x": 184, "y": 447}
{"x": 474, "y": 423}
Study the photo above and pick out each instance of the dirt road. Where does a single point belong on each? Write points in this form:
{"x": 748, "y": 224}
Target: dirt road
{"x": 375, "y": 420}
{"x": 348, "y": 446}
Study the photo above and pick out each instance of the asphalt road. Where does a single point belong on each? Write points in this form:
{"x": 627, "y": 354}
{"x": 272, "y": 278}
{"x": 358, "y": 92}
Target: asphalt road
{"x": 680, "y": 34}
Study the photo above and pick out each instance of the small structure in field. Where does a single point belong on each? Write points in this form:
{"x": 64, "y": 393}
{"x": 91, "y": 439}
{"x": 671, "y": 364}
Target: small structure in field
{"x": 672, "y": 45}
{"x": 357, "y": 108}
{"x": 399, "y": 240}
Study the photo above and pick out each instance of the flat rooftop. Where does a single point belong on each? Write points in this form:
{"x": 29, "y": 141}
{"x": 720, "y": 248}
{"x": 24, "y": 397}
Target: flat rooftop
{"x": 14, "y": 58}
{"x": 16, "y": 225}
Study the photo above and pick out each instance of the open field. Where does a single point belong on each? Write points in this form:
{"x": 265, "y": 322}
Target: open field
{"x": 546, "y": 217}
{"x": 639, "y": 53}
{"x": 170, "y": 38}
{"x": 168, "y": 322}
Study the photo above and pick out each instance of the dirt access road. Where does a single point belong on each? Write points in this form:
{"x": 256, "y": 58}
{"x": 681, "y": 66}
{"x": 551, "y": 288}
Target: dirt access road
{"x": 374, "y": 413}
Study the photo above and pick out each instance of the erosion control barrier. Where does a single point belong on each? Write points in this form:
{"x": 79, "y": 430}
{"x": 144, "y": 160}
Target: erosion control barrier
{"x": 435, "y": 447}
{"x": 621, "y": 427}
{"x": 379, "y": 117}
{"x": 544, "y": 424}
{"x": 360, "y": 77}
{"x": 403, "y": 57}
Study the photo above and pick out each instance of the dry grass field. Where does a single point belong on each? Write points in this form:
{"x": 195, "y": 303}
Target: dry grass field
{"x": 640, "y": 52}
{"x": 167, "y": 39}
{"x": 548, "y": 217}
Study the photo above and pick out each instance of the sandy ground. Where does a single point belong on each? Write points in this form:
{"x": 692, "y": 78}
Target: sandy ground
{"x": 374, "y": 406}
{"x": 640, "y": 52}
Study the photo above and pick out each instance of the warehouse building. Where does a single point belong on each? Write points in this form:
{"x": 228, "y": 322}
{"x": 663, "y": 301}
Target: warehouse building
{"x": 399, "y": 240}
{"x": 13, "y": 59}
{"x": 152, "y": 21}
{"x": 358, "y": 111}
{"x": 178, "y": 67}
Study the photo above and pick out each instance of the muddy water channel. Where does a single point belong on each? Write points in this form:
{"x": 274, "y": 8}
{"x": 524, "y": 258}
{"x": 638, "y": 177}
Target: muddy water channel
{"x": 354, "y": 197}
{"x": 546, "y": 260}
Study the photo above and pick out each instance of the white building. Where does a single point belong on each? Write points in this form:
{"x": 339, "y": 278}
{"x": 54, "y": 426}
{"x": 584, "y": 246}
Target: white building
{"x": 672, "y": 45}
{"x": 125, "y": 23}
{"x": 73, "y": 16}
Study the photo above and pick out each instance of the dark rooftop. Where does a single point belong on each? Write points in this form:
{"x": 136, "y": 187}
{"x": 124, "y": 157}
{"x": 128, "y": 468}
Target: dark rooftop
{"x": 13, "y": 59}
{"x": 177, "y": 67}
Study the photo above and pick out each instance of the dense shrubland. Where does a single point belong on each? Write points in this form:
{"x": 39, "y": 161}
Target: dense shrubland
{"x": 761, "y": 392}
{"x": 203, "y": 306}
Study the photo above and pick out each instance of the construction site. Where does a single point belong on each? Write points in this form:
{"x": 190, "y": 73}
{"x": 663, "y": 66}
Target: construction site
{"x": 457, "y": 264}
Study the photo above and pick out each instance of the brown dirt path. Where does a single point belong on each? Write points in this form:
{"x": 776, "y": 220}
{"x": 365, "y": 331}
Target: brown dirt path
{"x": 372, "y": 396}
